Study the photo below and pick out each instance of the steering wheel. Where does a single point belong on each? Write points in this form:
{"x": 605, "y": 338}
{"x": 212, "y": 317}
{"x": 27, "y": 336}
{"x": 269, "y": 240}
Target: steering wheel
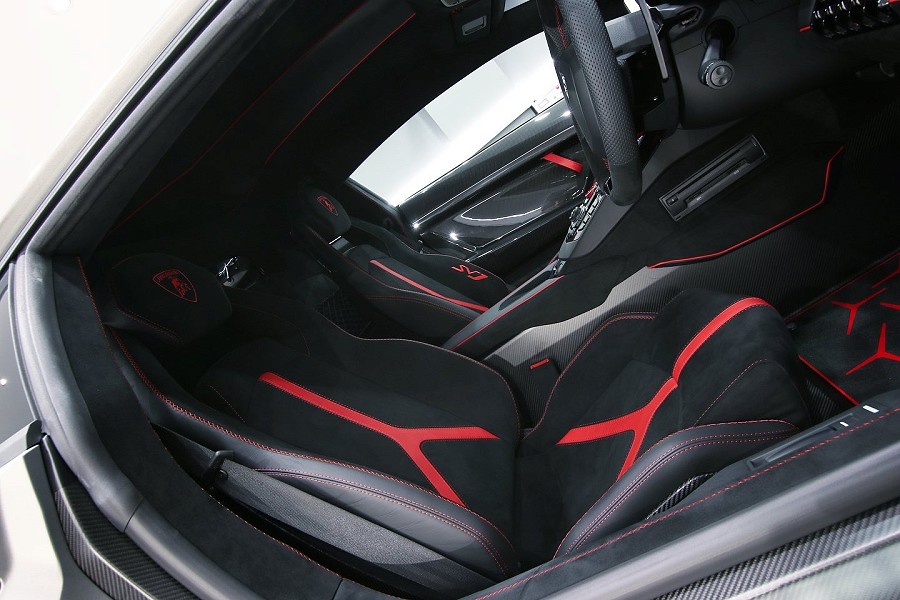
{"x": 592, "y": 83}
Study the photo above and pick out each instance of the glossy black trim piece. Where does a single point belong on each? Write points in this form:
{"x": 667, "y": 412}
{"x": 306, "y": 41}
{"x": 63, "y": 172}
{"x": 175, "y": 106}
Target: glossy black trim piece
{"x": 529, "y": 141}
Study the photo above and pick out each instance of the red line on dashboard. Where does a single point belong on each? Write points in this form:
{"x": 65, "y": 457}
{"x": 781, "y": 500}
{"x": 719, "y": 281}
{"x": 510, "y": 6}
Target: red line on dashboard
{"x": 335, "y": 86}
{"x": 762, "y": 233}
{"x": 239, "y": 118}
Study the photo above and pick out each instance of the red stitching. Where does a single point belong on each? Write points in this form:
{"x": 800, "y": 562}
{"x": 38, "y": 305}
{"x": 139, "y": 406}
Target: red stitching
{"x": 671, "y": 435}
{"x": 140, "y": 319}
{"x": 259, "y": 445}
{"x": 220, "y": 395}
{"x": 609, "y": 321}
{"x": 652, "y": 469}
{"x": 100, "y": 324}
{"x": 353, "y": 487}
{"x": 466, "y": 318}
{"x": 674, "y": 512}
{"x": 405, "y": 499}
{"x": 559, "y": 27}
{"x": 728, "y": 387}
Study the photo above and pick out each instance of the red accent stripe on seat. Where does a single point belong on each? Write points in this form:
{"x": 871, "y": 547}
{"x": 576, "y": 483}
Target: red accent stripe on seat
{"x": 429, "y": 291}
{"x": 409, "y": 439}
{"x": 638, "y": 421}
{"x": 562, "y": 161}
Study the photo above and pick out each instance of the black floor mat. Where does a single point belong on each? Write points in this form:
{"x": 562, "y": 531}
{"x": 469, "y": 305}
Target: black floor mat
{"x": 851, "y": 337}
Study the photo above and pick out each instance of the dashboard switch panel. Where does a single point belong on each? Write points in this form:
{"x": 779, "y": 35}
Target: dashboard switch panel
{"x": 841, "y": 18}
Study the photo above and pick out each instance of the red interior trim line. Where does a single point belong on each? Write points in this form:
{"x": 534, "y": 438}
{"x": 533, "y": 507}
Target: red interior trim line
{"x": 821, "y": 201}
{"x": 234, "y": 123}
{"x": 827, "y": 380}
{"x": 335, "y": 86}
{"x": 562, "y": 161}
{"x": 503, "y": 314}
{"x": 638, "y": 421}
{"x": 410, "y": 440}
{"x": 428, "y": 291}
{"x": 806, "y": 309}
{"x": 539, "y": 363}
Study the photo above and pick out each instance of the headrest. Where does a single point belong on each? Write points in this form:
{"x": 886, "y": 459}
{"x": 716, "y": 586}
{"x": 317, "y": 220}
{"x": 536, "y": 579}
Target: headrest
{"x": 321, "y": 213}
{"x": 162, "y": 298}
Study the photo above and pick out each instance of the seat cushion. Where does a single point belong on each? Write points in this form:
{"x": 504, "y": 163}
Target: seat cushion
{"x": 409, "y": 410}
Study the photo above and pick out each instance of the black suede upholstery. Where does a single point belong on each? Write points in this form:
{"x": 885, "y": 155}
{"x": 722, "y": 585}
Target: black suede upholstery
{"x": 426, "y": 442}
{"x": 320, "y": 212}
{"x": 163, "y": 298}
{"x": 744, "y": 371}
{"x": 432, "y": 295}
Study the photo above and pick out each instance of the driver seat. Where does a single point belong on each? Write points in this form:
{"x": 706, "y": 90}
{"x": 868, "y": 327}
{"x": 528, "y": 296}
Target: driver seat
{"x": 431, "y": 295}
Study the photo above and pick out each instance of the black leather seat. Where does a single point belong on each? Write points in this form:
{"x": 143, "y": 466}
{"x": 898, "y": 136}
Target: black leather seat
{"x": 427, "y": 443}
{"x": 432, "y": 295}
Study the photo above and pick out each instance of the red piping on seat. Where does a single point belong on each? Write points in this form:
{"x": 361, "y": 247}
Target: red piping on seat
{"x": 562, "y": 161}
{"x": 821, "y": 201}
{"x": 501, "y": 315}
{"x": 335, "y": 86}
{"x": 429, "y": 291}
{"x": 638, "y": 421}
{"x": 239, "y": 118}
{"x": 409, "y": 439}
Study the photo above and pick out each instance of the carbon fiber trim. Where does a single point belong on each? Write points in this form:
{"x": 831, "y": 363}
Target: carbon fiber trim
{"x": 525, "y": 143}
{"x": 778, "y": 570}
{"x": 107, "y": 556}
{"x": 681, "y": 493}
{"x": 822, "y": 401}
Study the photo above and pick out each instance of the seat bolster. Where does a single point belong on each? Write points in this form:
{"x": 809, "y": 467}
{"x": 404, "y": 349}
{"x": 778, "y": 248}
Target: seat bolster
{"x": 664, "y": 467}
{"x": 406, "y": 509}
{"x": 423, "y": 517}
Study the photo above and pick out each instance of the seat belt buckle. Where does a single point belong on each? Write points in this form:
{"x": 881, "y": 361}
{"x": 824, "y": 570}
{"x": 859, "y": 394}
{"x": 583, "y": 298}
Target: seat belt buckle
{"x": 213, "y": 471}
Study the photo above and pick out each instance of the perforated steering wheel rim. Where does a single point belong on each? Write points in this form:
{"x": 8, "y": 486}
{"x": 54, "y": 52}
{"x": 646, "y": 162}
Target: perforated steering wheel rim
{"x": 592, "y": 83}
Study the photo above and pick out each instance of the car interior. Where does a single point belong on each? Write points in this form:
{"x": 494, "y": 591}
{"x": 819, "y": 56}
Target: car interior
{"x": 625, "y": 332}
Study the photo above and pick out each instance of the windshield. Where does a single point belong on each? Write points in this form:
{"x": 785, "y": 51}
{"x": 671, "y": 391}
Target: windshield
{"x": 477, "y": 111}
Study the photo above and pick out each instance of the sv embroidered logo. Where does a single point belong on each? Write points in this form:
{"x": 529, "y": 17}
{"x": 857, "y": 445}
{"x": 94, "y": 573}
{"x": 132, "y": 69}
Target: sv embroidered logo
{"x": 470, "y": 273}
